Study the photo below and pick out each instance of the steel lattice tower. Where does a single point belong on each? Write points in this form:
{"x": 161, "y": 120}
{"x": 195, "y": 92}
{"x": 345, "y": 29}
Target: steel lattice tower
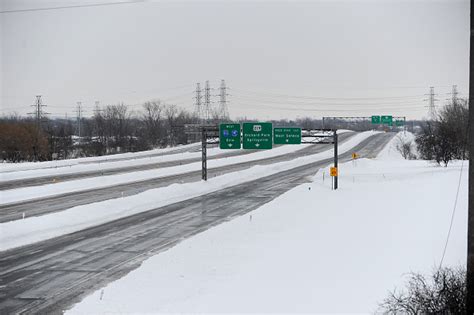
{"x": 39, "y": 114}
{"x": 198, "y": 104}
{"x": 79, "y": 112}
{"x": 432, "y": 106}
{"x": 223, "y": 110}
{"x": 207, "y": 102}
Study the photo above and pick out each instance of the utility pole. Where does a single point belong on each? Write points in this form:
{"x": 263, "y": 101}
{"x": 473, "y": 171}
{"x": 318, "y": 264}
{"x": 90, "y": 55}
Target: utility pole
{"x": 335, "y": 158}
{"x": 207, "y": 101}
{"x": 79, "y": 118}
{"x": 198, "y": 104}
{"x": 470, "y": 218}
{"x": 223, "y": 111}
{"x": 432, "y": 106}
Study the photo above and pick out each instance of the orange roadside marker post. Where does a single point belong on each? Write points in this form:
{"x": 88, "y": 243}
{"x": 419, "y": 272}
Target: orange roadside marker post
{"x": 334, "y": 173}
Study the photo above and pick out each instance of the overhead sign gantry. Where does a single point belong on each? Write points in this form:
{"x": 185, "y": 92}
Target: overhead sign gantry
{"x": 261, "y": 136}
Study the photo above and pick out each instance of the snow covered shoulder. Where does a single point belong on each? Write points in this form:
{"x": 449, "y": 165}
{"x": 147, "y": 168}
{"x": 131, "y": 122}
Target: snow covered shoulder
{"x": 308, "y": 248}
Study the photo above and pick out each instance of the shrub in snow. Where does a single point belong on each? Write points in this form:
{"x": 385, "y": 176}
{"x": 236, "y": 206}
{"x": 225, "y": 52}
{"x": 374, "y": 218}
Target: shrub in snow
{"x": 405, "y": 147}
{"x": 443, "y": 293}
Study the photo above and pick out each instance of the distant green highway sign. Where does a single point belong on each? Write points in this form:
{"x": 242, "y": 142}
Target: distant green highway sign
{"x": 386, "y": 120}
{"x": 287, "y": 135}
{"x": 376, "y": 120}
{"x": 399, "y": 123}
{"x": 229, "y": 136}
{"x": 257, "y": 135}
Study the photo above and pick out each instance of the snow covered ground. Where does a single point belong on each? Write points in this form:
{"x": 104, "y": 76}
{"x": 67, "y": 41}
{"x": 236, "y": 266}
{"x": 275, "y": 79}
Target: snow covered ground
{"x": 58, "y": 188}
{"x": 26, "y": 166}
{"x": 26, "y": 231}
{"x": 310, "y": 250}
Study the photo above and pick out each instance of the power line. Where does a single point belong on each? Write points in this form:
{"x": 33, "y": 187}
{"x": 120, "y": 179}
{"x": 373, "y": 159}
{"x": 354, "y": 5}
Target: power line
{"x": 73, "y": 6}
{"x": 312, "y": 103}
{"x": 457, "y": 196}
{"x": 332, "y": 109}
{"x": 325, "y": 98}
{"x": 452, "y": 216}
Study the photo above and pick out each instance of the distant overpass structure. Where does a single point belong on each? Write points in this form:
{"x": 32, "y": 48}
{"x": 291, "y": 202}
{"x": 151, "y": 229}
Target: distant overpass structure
{"x": 363, "y": 121}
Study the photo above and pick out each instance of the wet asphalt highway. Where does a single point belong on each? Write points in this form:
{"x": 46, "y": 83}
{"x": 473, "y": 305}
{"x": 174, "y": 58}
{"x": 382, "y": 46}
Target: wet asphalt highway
{"x": 42, "y": 206}
{"x": 50, "y": 276}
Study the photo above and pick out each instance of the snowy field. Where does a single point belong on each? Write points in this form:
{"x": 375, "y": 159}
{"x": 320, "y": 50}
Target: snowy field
{"x": 310, "y": 250}
{"x": 29, "y": 230}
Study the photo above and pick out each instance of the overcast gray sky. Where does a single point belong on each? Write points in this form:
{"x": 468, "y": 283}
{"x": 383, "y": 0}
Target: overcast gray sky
{"x": 280, "y": 59}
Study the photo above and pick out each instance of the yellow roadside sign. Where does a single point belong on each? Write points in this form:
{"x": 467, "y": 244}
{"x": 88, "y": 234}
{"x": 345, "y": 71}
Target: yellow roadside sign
{"x": 333, "y": 171}
{"x": 355, "y": 156}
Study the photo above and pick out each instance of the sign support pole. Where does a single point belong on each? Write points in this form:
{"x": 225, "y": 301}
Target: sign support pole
{"x": 204, "y": 153}
{"x": 470, "y": 215}
{"x": 335, "y": 157}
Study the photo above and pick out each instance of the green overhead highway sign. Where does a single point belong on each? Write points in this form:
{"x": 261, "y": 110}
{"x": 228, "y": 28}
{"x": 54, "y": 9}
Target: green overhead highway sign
{"x": 386, "y": 120}
{"x": 399, "y": 123}
{"x": 229, "y": 136}
{"x": 376, "y": 120}
{"x": 257, "y": 135}
{"x": 287, "y": 135}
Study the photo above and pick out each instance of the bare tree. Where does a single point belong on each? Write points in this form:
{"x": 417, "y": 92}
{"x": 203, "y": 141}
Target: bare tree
{"x": 153, "y": 122}
{"x": 444, "y": 294}
{"x": 171, "y": 111}
{"x": 405, "y": 147}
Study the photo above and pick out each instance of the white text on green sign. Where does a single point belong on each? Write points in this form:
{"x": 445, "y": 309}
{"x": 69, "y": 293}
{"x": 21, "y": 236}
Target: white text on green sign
{"x": 257, "y": 135}
{"x": 386, "y": 119}
{"x": 287, "y": 135}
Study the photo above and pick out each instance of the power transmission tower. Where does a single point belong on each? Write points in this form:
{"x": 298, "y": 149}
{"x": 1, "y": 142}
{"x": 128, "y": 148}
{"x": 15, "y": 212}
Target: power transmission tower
{"x": 432, "y": 106}
{"x": 79, "y": 113}
{"x": 454, "y": 94}
{"x": 223, "y": 111}
{"x": 39, "y": 114}
{"x": 198, "y": 103}
{"x": 207, "y": 102}
{"x": 97, "y": 109}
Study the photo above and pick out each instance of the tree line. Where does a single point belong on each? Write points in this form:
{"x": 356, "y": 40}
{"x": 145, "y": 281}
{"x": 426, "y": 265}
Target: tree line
{"x": 445, "y": 138}
{"x": 118, "y": 129}
{"x": 112, "y": 129}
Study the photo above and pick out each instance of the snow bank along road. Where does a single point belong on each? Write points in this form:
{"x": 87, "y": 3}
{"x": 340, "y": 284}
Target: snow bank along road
{"x": 117, "y": 166}
{"x": 50, "y": 276}
{"x": 59, "y": 202}
{"x": 7, "y": 168}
